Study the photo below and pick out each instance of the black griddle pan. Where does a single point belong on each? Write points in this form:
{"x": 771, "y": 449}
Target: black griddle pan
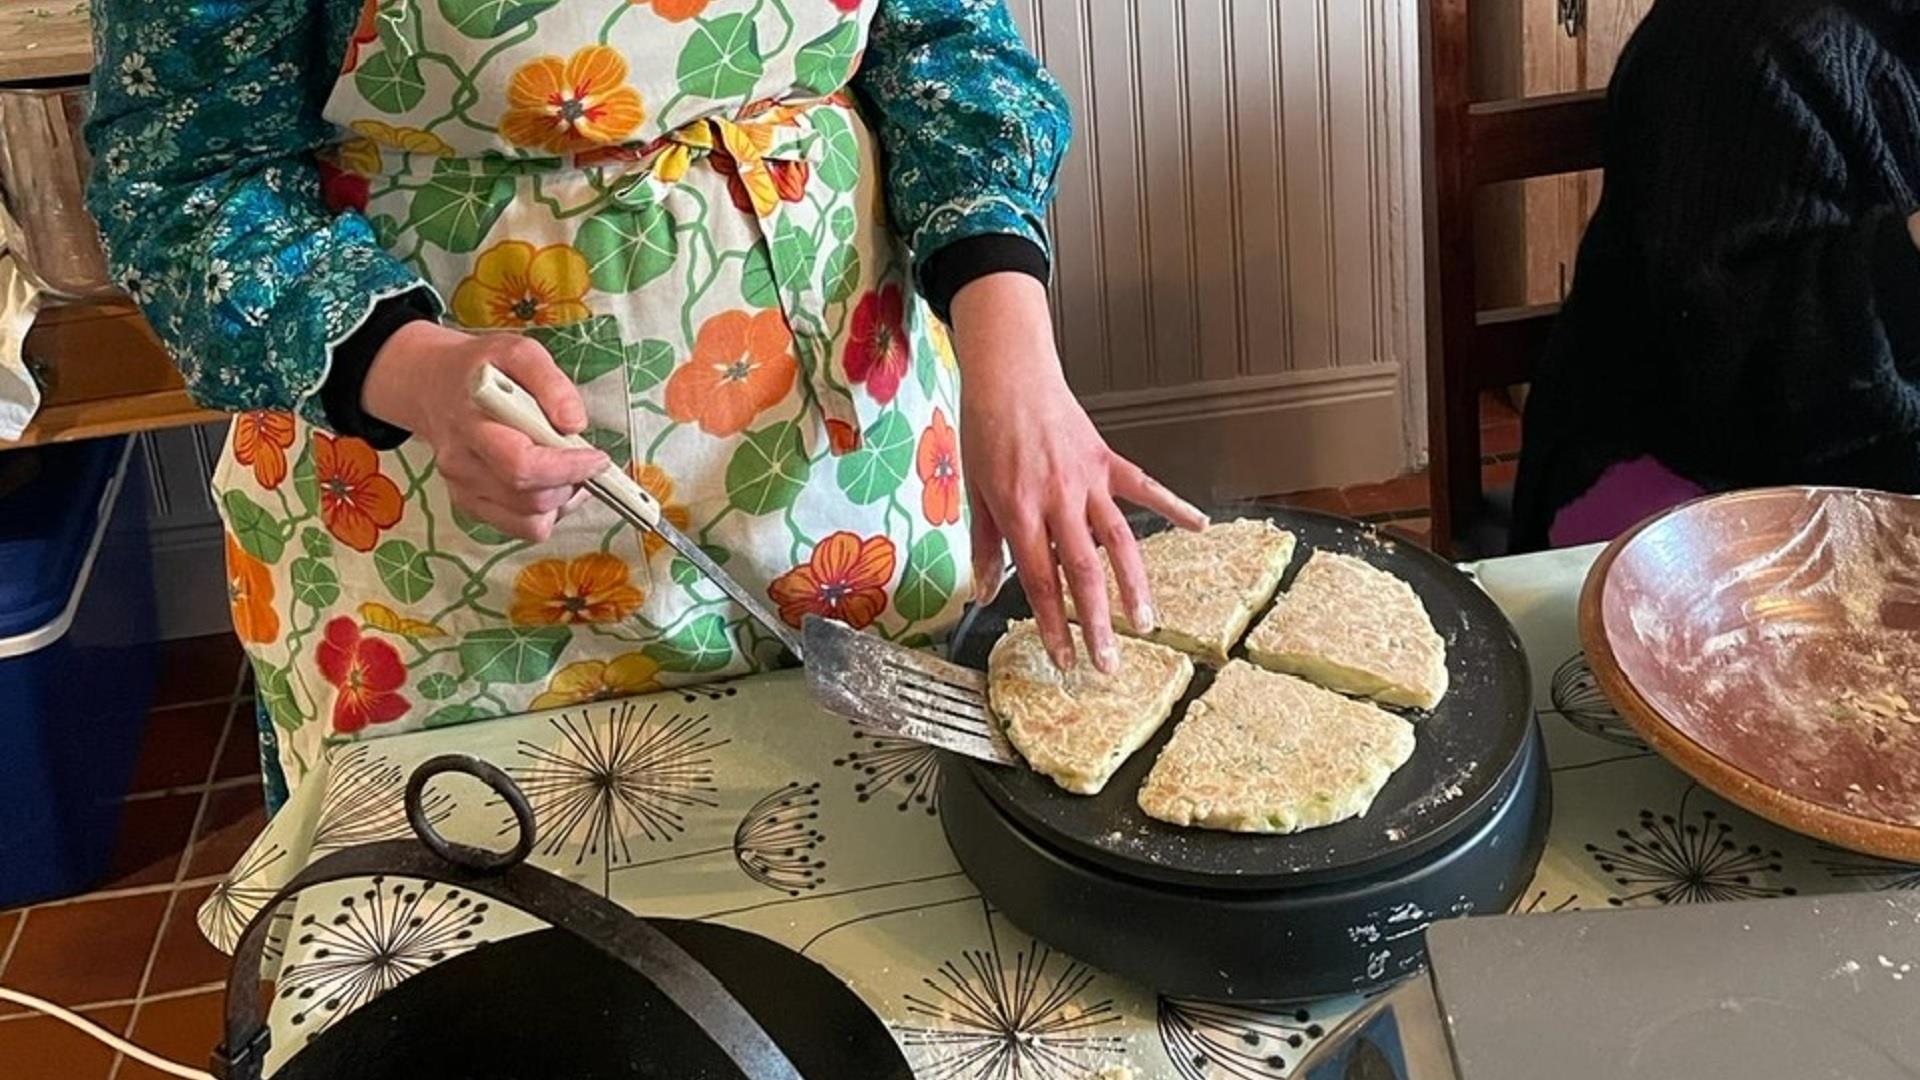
{"x": 1463, "y": 748}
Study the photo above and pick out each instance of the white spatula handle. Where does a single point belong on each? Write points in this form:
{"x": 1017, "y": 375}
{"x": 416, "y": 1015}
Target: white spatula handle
{"x": 508, "y": 402}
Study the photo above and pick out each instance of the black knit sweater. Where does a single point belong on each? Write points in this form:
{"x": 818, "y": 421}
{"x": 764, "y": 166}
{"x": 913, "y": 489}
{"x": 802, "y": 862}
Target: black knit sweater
{"x": 1746, "y": 306}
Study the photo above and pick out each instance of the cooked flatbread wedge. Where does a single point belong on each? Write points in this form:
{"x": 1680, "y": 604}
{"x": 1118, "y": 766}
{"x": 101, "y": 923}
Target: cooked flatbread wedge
{"x": 1078, "y": 726}
{"x": 1267, "y": 753}
{"x": 1207, "y": 586}
{"x": 1355, "y": 628}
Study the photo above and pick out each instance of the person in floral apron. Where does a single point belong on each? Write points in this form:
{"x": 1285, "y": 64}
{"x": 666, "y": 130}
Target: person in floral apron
{"x": 721, "y": 239}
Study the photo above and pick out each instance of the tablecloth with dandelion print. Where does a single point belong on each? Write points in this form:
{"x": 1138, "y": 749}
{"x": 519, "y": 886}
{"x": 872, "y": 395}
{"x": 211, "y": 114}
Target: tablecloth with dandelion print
{"x": 744, "y": 805}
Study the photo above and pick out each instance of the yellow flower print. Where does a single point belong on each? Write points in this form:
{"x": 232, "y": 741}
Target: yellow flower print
{"x": 597, "y": 680}
{"x": 942, "y": 344}
{"x": 381, "y": 617}
{"x": 411, "y": 140}
{"x": 514, "y": 284}
{"x": 358, "y": 156}
{"x": 566, "y": 106}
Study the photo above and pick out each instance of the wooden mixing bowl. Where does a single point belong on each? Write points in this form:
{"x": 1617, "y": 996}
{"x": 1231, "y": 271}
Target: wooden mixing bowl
{"x": 1768, "y": 643}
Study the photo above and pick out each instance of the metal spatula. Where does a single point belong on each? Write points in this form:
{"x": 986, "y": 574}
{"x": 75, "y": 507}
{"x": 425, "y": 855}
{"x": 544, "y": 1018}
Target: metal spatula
{"x": 506, "y": 401}
{"x": 893, "y": 690}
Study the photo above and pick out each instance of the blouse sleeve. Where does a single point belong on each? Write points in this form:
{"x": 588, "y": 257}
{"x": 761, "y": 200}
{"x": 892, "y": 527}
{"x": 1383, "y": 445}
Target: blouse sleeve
{"x": 973, "y": 127}
{"x": 206, "y": 117}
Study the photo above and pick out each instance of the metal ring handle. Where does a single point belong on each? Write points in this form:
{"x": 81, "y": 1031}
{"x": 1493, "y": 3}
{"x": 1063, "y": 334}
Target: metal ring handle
{"x": 477, "y": 859}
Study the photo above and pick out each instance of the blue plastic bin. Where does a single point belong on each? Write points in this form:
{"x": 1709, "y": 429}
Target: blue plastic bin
{"x": 77, "y": 659}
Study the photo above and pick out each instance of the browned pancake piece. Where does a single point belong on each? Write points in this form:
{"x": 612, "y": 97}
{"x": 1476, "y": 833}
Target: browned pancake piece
{"x": 1207, "y": 586}
{"x": 1267, "y": 753}
{"x": 1352, "y": 627}
{"x": 1078, "y": 726}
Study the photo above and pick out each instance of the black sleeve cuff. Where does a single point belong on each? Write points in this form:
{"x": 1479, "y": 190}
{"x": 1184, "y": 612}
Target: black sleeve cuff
{"x": 340, "y": 394}
{"x": 963, "y": 262}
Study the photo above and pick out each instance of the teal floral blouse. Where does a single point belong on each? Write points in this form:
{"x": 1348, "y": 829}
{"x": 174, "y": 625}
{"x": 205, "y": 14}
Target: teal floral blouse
{"x": 207, "y": 117}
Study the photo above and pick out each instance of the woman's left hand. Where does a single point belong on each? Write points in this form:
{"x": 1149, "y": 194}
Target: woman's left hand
{"x": 1041, "y": 478}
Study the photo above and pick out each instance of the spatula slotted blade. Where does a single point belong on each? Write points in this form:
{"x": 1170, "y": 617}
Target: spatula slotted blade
{"x": 895, "y": 691}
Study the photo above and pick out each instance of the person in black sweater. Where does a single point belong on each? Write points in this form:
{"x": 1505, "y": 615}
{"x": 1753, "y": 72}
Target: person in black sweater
{"x": 1746, "y": 306}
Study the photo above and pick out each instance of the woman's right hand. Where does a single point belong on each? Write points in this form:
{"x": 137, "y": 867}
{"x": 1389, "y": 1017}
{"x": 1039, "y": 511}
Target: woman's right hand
{"x": 420, "y": 381}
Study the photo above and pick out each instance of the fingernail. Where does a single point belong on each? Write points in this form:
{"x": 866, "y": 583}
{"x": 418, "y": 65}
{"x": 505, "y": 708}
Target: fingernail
{"x": 1143, "y": 618}
{"x": 986, "y": 589}
{"x": 1108, "y": 658}
{"x": 1062, "y": 657}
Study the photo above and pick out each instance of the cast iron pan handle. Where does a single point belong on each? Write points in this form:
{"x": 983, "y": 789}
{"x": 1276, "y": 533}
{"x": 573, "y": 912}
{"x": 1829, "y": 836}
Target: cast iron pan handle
{"x": 503, "y": 876}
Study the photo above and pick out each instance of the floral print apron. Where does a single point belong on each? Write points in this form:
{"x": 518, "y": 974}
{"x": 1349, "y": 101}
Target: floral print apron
{"x": 677, "y": 200}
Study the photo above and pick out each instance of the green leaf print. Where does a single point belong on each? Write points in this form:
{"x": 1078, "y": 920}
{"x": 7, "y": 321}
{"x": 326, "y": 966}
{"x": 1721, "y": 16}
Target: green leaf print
{"x": 927, "y": 583}
{"x": 840, "y": 160}
{"x": 403, "y": 570}
{"x": 438, "y": 686}
{"x": 926, "y": 366}
{"x": 276, "y": 693}
{"x": 612, "y": 443}
{"x": 627, "y": 247}
{"x": 842, "y": 223}
{"x": 768, "y": 470}
{"x": 490, "y": 18}
{"x": 512, "y": 654}
{"x": 585, "y": 350}
{"x": 391, "y": 82}
{"x": 878, "y": 468}
{"x": 454, "y": 714}
{"x": 314, "y": 583}
{"x": 793, "y": 256}
{"x": 480, "y": 531}
{"x": 685, "y": 573}
{"x": 456, "y": 209}
{"x": 316, "y": 542}
{"x": 824, "y": 63}
{"x": 386, "y": 229}
{"x": 396, "y": 24}
{"x": 702, "y": 646}
{"x": 307, "y": 486}
{"x": 259, "y": 533}
{"x": 843, "y": 274}
{"x": 722, "y": 59}
{"x": 648, "y": 363}
{"x": 756, "y": 278}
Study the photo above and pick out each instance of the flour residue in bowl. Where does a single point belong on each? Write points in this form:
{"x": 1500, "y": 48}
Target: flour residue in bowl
{"x": 1785, "y": 638}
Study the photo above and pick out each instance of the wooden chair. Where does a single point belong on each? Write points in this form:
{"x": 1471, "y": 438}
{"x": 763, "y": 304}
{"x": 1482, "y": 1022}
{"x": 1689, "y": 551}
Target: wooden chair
{"x": 1469, "y": 145}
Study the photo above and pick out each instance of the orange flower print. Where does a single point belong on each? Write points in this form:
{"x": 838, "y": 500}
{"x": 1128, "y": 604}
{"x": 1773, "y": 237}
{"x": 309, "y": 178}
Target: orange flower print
{"x": 842, "y": 438}
{"x": 654, "y": 481}
{"x": 846, "y": 579}
{"x": 877, "y": 352}
{"x": 367, "y": 672}
{"x": 566, "y": 106}
{"x": 261, "y": 440}
{"x": 938, "y": 463}
{"x": 598, "y": 680}
{"x": 593, "y": 588}
{"x": 756, "y": 185}
{"x": 676, "y": 10}
{"x": 742, "y": 365}
{"x": 356, "y": 500}
{"x": 515, "y": 284}
{"x": 250, "y": 594}
{"x": 365, "y": 32}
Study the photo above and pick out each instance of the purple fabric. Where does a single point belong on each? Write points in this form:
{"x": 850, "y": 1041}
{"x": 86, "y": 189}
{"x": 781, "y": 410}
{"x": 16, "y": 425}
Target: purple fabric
{"x": 1625, "y": 495}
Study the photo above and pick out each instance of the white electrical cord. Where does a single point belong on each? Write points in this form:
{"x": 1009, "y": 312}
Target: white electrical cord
{"x": 88, "y": 1027}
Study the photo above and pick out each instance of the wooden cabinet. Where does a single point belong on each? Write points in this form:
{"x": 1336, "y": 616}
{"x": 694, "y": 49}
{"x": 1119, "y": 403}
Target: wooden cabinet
{"x": 104, "y": 373}
{"x": 1529, "y": 231}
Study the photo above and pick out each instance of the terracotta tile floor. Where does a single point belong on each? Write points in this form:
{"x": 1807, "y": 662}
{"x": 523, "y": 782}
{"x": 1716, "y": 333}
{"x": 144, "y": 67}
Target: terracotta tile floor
{"x": 129, "y": 955}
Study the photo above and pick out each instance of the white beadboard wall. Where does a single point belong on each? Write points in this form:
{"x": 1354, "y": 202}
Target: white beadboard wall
{"x": 1237, "y": 271}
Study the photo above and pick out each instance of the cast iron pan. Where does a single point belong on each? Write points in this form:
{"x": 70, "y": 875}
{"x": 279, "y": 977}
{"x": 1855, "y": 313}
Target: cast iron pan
{"x": 1463, "y": 749}
{"x": 548, "y": 1004}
